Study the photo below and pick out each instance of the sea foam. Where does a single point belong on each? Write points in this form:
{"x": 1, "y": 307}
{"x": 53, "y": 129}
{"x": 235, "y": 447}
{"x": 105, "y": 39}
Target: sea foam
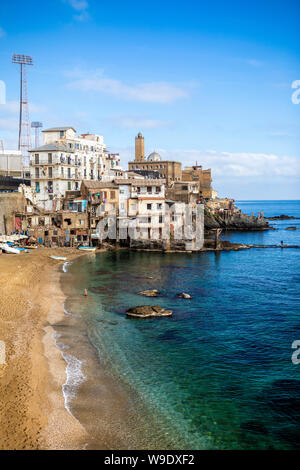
{"x": 75, "y": 377}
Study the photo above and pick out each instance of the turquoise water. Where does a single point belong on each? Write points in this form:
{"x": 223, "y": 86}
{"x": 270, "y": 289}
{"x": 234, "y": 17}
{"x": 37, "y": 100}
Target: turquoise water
{"x": 218, "y": 373}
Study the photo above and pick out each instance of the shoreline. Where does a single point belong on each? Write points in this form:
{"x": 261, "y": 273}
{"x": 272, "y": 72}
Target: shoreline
{"x": 32, "y": 410}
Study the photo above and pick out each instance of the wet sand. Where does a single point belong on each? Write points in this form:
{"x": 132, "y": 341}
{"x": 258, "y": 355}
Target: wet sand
{"x": 32, "y": 411}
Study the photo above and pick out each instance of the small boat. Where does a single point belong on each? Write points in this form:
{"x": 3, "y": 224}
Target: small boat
{"x": 9, "y": 249}
{"x": 59, "y": 258}
{"x": 87, "y": 248}
{"x": 12, "y": 245}
{"x": 31, "y": 247}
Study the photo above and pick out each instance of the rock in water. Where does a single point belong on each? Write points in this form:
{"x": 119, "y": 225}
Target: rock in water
{"x": 146, "y": 311}
{"x": 183, "y": 295}
{"x": 291, "y": 228}
{"x": 149, "y": 293}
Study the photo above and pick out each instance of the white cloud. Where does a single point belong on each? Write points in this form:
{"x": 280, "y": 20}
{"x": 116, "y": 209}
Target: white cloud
{"x": 8, "y": 124}
{"x": 238, "y": 165}
{"x": 137, "y": 122}
{"x": 13, "y": 107}
{"x": 153, "y": 92}
{"x": 80, "y": 6}
{"x": 2, "y": 32}
{"x": 254, "y": 62}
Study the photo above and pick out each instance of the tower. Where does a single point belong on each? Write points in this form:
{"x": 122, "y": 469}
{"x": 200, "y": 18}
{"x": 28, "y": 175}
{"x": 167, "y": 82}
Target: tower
{"x": 24, "y": 143}
{"x": 36, "y": 126}
{"x": 139, "y": 148}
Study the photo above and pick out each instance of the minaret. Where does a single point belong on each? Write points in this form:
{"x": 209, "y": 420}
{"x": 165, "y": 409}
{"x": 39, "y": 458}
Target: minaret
{"x": 139, "y": 148}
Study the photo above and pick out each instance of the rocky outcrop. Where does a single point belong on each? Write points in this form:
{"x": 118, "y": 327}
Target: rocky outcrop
{"x": 149, "y": 293}
{"x": 183, "y": 295}
{"x": 282, "y": 217}
{"x": 291, "y": 228}
{"x": 146, "y": 311}
{"x": 237, "y": 221}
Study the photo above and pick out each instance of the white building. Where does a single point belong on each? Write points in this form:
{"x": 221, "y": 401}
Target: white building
{"x": 143, "y": 201}
{"x": 64, "y": 160}
{"x": 11, "y": 163}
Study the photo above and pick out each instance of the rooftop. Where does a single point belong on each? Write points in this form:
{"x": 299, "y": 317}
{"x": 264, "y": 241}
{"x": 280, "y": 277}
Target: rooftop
{"x": 52, "y": 148}
{"x": 140, "y": 182}
{"x": 57, "y": 129}
{"x": 93, "y": 184}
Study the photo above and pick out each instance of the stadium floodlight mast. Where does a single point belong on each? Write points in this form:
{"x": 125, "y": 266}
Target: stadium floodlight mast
{"x": 24, "y": 125}
{"x": 36, "y": 125}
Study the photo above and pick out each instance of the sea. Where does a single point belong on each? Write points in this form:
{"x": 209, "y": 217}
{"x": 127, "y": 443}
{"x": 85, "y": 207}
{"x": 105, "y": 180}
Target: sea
{"x": 218, "y": 374}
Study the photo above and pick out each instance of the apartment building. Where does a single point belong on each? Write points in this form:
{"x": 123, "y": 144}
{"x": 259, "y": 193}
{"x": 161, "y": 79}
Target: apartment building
{"x": 64, "y": 160}
{"x": 143, "y": 203}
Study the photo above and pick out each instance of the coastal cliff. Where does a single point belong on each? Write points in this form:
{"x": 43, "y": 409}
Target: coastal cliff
{"x": 234, "y": 221}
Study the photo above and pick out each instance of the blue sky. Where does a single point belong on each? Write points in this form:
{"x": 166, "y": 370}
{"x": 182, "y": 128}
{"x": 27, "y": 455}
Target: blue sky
{"x": 204, "y": 81}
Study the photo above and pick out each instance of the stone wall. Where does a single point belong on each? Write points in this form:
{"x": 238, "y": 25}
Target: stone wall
{"x": 9, "y": 204}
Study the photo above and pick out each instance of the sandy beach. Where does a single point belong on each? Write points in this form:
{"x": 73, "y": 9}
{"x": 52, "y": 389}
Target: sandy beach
{"x": 32, "y": 410}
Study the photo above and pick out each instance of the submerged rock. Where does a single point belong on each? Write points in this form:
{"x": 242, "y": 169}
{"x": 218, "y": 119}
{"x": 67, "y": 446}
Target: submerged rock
{"x": 291, "y": 228}
{"x": 183, "y": 295}
{"x": 149, "y": 293}
{"x": 145, "y": 311}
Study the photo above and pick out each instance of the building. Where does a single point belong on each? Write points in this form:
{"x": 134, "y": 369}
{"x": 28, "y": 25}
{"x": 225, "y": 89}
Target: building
{"x": 184, "y": 191}
{"x": 64, "y": 160}
{"x": 139, "y": 148}
{"x": 168, "y": 170}
{"x": 11, "y": 163}
{"x": 142, "y": 204}
{"x": 196, "y": 173}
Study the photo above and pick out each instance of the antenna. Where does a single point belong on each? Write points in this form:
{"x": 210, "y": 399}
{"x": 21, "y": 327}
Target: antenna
{"x": 24, "y": 143}
{"x": 36, "y": 125}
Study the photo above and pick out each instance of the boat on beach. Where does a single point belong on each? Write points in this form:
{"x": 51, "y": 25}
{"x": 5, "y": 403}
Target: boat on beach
{"x": 9, "y": 249}
{"x": 59, "y": 258}
{"x": 87, "y": 248}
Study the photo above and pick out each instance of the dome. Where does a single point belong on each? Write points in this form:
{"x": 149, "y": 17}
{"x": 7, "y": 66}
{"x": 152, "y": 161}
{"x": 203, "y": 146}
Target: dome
{"x": 154, "y": 157}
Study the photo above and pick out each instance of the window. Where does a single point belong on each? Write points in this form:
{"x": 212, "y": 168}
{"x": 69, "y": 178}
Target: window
{"x": 149, "y": 220}
{"x": 36, "y": 158}
{"x": 112, "y": 195}
{"x": 69, "y": 185}
{"x": 81, "y": 221}
{"x": 184, "y": 188}
{"x": 62, "y": 171}
{"x": 133, "y": 207}
{"x": 149, "y": 189}
{"x": 69, "y": 172}
{"x": 84, "y": 172}
{"x": 50, "y": 158}
{"x": 149, "y": 207}
{"x": 69, "y": 160}
{"x": 37, "y": 187}
{"x": 157, "y": 189}
{"x": 138, "y": 189}
{"x": 159, "y": 206}
{"x": 160, "y": 219}
{"x": 50, "y": 172}
{"x": 37, "y": 172}
{"x": 50, "y": 187}
{"x": 61, "y": 133}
